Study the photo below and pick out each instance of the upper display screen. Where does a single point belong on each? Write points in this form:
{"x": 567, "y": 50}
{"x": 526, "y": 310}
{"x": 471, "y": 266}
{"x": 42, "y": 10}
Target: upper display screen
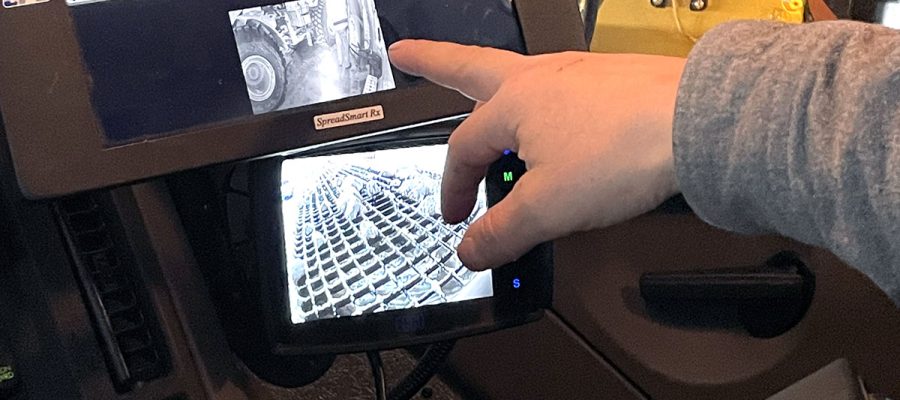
{"x": 335, "y": 47}
{"x": 363, "y": 234}
{"x": 163, "y": 66}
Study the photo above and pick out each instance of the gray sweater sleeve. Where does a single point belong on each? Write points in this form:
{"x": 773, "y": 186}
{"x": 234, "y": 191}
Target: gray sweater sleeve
{"x": 796, "y": 130}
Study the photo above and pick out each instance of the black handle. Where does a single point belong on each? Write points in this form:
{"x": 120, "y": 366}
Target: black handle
{"x": 769, "y": 299}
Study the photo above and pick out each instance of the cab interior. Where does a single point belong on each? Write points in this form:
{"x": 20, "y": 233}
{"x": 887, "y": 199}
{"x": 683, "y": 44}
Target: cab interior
{"x": 655, "y": 308}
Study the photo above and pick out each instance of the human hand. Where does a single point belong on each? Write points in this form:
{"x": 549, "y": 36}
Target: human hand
{"x": 594, "y": 130}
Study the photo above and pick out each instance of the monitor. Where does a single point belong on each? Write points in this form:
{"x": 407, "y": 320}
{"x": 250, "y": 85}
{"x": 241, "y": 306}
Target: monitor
{"x": 354, "y": 254}
{"x": 98, "y": 93}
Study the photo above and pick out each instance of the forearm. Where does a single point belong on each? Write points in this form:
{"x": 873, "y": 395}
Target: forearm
{"x": 796, "y": 130}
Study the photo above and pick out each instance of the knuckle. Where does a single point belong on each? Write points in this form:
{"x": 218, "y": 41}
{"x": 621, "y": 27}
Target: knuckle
{"x": 454, "y": 143}
{"x": 518, "y": 81}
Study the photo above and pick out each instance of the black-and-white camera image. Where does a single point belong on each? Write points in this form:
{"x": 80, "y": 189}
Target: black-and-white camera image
{"x": 310, "y": 51}
{"x": 363, "y": 234}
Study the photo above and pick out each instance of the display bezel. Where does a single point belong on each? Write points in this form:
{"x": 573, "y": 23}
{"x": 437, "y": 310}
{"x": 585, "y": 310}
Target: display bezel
{"x": 509, "y": 306}
{"x": 57, "y": 143}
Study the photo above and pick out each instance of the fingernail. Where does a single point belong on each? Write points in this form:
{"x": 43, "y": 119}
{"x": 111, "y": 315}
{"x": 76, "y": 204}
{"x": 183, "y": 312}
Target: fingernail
{"x": 396, "y": 45}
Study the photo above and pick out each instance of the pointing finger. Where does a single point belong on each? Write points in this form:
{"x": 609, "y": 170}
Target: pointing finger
{"x": 476, "y": 72}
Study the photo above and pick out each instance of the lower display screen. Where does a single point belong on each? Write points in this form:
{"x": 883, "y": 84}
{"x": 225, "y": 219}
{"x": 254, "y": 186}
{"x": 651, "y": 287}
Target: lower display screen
{"x": 363, "y": 234}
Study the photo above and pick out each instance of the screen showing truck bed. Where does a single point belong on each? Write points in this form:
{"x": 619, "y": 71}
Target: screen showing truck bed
{"x": 363, "y": 234}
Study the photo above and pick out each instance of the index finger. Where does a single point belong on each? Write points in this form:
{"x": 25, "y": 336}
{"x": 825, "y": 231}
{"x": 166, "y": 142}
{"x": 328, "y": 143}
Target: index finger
{"x": 476, "y": 72}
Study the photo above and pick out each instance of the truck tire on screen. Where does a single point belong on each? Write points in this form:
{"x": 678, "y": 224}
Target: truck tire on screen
{"x": 263, "y": 66}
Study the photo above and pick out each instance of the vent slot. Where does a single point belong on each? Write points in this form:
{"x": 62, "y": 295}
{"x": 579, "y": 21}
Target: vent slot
{"x": 126, "y": 328}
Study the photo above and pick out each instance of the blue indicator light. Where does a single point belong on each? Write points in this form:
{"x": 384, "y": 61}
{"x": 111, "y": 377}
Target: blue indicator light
{"x": 516, "y": 283}
{"x": 507, "y": 152}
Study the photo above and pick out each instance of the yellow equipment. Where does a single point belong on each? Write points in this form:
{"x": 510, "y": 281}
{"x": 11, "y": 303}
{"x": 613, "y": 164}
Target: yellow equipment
{"x": 670, "y": 27}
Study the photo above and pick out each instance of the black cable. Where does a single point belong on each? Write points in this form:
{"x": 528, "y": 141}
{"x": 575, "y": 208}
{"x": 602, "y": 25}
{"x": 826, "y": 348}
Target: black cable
{"x": 378, "y": 374}
{"x": 427, "y": 366}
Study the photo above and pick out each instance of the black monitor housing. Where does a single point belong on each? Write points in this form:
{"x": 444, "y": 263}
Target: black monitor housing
{"x": 353, "y": 254}
{"x": 101, "y": 93}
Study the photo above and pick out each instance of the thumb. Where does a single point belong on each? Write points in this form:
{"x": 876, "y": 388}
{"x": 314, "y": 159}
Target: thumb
{"x": 507, "y": 230}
